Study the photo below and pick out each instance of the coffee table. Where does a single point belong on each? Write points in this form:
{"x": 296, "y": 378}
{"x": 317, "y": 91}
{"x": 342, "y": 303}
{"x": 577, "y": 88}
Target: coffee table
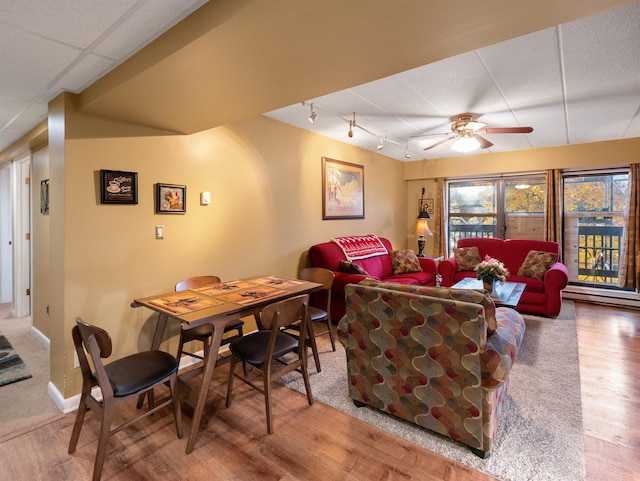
{"x": 504, "y": 293}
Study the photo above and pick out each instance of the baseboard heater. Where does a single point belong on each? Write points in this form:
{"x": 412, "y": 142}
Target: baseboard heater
{"x": 610, "y": 297}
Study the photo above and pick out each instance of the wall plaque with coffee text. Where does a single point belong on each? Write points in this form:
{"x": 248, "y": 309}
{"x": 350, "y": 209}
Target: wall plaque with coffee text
{"x": 117, "y": 187}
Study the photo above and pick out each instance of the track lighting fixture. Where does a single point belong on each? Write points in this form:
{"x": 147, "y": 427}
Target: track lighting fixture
{"x": 352, "y": 124}
{"x": 382, "y": 142}
{"x": 406, "y": 151}
{"x": 313, "y": 116}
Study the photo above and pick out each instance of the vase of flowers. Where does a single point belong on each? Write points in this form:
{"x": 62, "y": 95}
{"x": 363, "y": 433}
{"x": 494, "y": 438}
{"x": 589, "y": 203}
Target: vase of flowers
{"x": 491, "y": 270}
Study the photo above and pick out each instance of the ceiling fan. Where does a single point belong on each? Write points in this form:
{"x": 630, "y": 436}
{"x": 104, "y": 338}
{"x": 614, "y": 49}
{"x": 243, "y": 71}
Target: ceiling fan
{"x": 466, "y": 137}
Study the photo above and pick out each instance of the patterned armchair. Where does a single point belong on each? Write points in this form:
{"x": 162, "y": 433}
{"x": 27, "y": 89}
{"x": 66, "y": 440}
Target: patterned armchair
{"x": 434, "y": 356}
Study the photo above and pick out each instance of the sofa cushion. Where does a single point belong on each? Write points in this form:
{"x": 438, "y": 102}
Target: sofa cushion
{"x": 405, "y": 261}
{"x": 467, "y": 258}
{"x": 351, "y": 268}
{"x": 536, "y": 263}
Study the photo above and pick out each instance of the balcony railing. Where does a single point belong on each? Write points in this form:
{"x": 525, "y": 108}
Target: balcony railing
{"x": 599, "y": 253}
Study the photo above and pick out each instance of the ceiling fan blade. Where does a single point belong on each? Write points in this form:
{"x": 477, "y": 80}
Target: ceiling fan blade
{"x": 439, "y": 142}
{"x": 484, "y": 143}
{"x": 508, "y": 130}
{"x": 422, "y": 136}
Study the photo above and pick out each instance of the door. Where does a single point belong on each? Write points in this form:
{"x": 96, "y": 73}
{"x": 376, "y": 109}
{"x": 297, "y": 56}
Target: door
{"x": 6, "y": 233}
{"x": 22, "y": 237}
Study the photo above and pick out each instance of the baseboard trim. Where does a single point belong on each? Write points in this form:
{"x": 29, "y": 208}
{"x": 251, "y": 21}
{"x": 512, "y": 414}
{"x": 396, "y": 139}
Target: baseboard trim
{"x": 609, "y": 297}
{"x": 41, "y": 337}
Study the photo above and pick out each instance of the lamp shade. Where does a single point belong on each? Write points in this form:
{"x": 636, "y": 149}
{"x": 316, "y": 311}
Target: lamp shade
{"x": 422, "y": 227}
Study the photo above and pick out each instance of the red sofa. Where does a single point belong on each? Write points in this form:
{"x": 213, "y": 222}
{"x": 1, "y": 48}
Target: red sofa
{"x": 329, "y": 255}
{"x": 542, "y": 297}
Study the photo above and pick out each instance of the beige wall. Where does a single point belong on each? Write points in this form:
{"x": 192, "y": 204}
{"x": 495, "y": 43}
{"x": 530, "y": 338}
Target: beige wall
{"x": 265, "y": 211}
{"x": 40, "y": 245}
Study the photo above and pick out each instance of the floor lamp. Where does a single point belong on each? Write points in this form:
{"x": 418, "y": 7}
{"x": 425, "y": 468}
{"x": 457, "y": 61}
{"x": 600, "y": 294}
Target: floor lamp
{"x": 422, "y": 226}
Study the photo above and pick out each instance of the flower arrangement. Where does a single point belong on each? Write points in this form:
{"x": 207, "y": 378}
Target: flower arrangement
{"x": 491, "y": 268}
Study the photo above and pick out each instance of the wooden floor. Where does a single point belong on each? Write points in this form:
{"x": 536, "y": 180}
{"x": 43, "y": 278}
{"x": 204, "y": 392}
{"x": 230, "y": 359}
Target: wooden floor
{"x": 320, "y": 443}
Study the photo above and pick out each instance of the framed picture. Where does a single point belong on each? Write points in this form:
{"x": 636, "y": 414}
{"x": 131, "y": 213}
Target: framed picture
{"x": 342, "y": 190}
{"x": 171, "y": 199}
{"x": 426, "y": 204}
{"x": 117, "y": 187}
{"x": 44, "y": 196}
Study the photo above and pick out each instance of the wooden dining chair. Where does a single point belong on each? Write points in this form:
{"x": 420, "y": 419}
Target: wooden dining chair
{"x": 119, "y": 381}
{"x": 261, "y": 348}
{"x": 204, "y": 333}
{"x": 320, "y": 312}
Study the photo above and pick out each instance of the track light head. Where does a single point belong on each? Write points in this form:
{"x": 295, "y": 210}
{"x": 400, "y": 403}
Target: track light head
{"x": 313, "y": 116}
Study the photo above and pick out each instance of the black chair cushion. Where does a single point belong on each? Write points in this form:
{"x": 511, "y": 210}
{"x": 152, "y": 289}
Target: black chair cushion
{"x": 317, "y": 314}
{"x": 138, "y": 371}
{"x": 251, "y": 348}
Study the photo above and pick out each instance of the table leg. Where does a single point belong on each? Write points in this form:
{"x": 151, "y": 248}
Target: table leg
{"x": 160, "y": 327}
{"x": 209, "y": 366}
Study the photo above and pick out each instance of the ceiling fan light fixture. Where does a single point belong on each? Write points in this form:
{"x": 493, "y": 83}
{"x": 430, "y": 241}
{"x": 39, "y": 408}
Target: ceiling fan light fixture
{"x": 466, "y": 144}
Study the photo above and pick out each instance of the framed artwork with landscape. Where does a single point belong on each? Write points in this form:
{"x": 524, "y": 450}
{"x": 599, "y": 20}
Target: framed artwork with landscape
{"x": 342, "y": 190}
{"x": 171, "y": 199}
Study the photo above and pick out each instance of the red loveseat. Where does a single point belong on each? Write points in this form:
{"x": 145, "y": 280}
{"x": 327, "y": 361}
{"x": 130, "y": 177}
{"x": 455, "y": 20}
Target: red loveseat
{"x": 542, "y": 297}
{"x": 329, "y": 255}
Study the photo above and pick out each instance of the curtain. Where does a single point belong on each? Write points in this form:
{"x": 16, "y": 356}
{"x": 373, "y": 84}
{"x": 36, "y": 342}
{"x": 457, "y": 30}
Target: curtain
{"x": 553, "y": 227}
{"x": 630, "y": 257}
{"x": 439, "y": 240}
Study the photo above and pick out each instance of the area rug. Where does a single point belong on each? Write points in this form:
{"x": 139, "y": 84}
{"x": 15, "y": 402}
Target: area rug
{"x": 12, "y": 367}
{"x": 540, "y": 437}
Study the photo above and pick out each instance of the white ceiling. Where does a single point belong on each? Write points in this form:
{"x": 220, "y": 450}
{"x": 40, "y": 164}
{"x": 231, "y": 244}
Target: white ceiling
{"x": 579, "y": 82}
{"x": 47, "y": 47}
{"x": 575, "y": 83}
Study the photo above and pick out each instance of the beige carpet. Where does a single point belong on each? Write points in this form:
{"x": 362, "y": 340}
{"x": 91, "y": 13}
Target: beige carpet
{"x": 26, "y": 405}
{"x": 540, "y": 437}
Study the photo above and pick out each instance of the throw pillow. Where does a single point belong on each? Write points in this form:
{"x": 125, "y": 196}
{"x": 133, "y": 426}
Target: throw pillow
{"x": 536, "y": 264}
{"x": 405, "y": 261}
{"x": 467, "y": 258}
{"x": 351, "y": 268}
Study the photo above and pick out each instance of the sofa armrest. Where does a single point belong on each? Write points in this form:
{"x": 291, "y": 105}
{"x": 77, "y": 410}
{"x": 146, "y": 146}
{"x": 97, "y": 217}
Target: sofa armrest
{"x": 447, "y": 269}
{"x": 501, "y": 349}
{"x": 428, "y": 265}
{"x": 556, "y": 278}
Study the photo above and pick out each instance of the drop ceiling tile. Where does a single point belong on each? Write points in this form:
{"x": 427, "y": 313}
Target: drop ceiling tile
{"x": 82, "y": 74}
{"x": 74, "y": 22}
{"x": 144, "y": 25}
{"x": 32, "y": 115}
{"x": 30, "y": 62}
{"x": 10, "y": 108}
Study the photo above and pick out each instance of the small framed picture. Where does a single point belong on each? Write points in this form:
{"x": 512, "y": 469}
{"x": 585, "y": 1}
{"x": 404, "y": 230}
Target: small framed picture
{"x": 171, "y": 199}
{"x": 117, "y": 187}
{"x": 426, "y": 204}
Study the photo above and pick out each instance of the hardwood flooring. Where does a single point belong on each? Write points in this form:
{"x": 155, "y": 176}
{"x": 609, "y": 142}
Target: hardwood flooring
{"x": 320, "y": 443}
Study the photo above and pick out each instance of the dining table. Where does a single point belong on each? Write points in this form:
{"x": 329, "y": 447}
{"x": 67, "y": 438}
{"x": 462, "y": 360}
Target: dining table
{"x": 218, "y": 304}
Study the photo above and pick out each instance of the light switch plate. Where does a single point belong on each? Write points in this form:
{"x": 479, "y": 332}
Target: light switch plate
{"x": 159, "y": 232}
{"x": 205, "y": 198}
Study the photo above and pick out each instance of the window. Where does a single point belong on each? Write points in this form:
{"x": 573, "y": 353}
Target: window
{"x": 506, "y": 207}
{"x": 593, "y": 225}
